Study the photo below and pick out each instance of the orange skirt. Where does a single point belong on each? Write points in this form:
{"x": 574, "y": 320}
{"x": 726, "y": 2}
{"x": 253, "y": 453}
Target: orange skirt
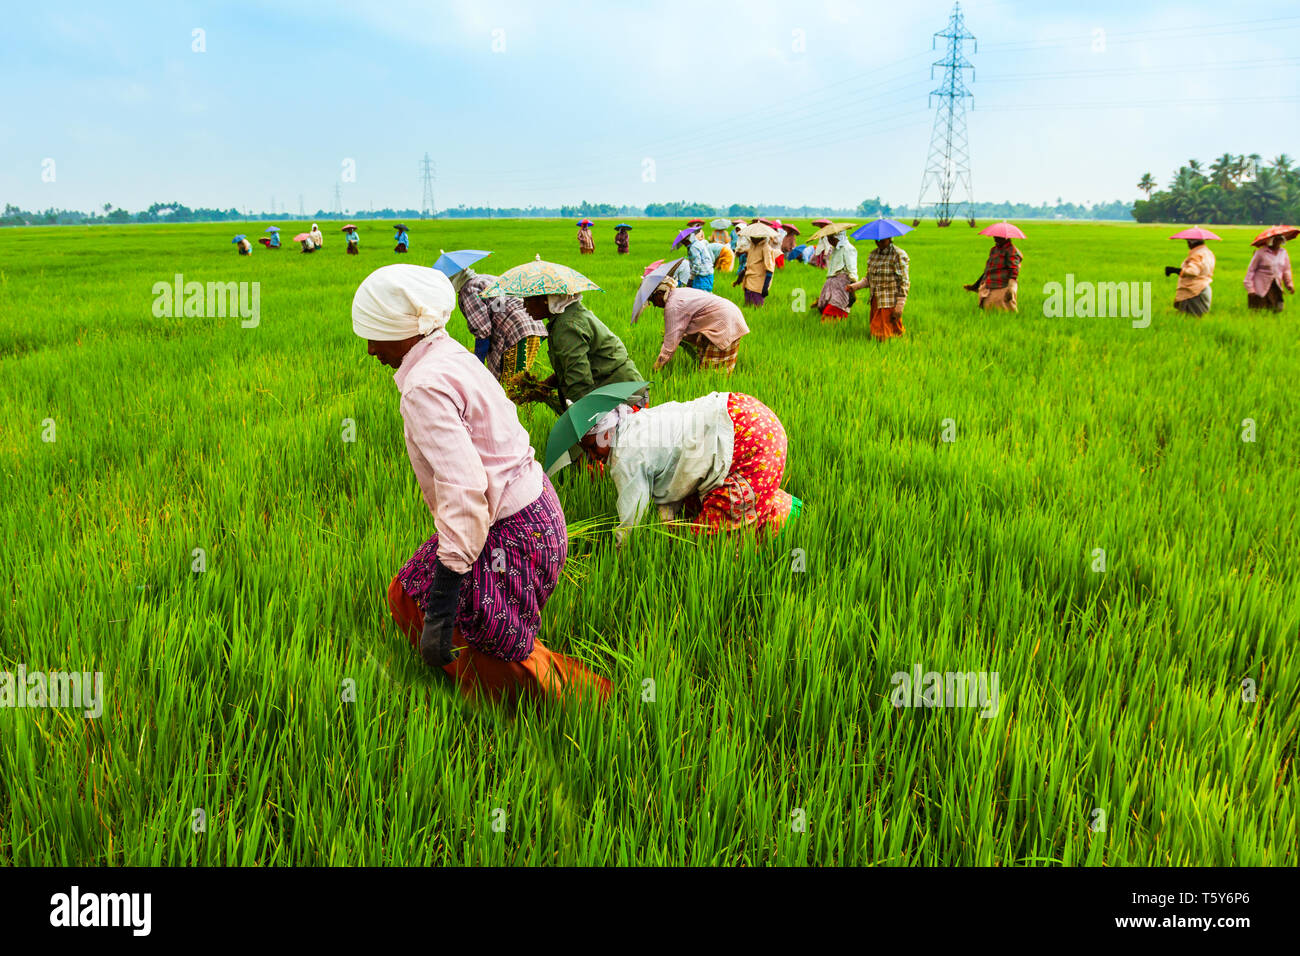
{"x": 542, "y": 674}
{"x": 883, "y": 323}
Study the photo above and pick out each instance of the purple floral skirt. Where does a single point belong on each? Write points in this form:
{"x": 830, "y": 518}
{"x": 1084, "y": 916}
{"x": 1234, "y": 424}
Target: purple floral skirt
{"x": 501, "y": 600}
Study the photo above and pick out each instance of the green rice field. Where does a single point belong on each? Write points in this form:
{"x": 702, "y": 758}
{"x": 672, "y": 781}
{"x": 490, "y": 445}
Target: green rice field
{"x": 264, "y": 711}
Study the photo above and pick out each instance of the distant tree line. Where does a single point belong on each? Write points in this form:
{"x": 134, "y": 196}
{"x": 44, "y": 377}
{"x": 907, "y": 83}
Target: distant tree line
{"x": 1116, "y": 210}
{"x": 177, "y": 212}
{"x": 164, "y": 212}
{"x": 1241, "y": 189}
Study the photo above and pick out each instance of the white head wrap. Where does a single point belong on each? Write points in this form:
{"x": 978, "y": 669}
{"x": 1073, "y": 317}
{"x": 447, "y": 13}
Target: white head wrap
{"x": 398, "y": 301}
{"x": 555, "y": 304}
{"x": 842, "y": 236}
{"x": 609, "y": 422}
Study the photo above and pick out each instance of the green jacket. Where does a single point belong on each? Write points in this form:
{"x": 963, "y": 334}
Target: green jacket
{"x": 586, "y": 354}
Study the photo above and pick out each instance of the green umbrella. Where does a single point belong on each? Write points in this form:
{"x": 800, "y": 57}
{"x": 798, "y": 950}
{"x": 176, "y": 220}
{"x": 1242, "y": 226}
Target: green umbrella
{"x": 581, "y": 415}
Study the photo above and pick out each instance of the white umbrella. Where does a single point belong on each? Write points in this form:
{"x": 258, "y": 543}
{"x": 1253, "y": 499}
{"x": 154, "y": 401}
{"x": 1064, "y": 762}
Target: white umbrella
{"x": 649, "y": 284}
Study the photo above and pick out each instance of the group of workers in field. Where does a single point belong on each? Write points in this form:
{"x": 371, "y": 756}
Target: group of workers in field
{"x": 313, "y": 240}
{"x": 471, "y": 596}
{"x": 757, "y": 249}
{"x": 1267, "y": 277}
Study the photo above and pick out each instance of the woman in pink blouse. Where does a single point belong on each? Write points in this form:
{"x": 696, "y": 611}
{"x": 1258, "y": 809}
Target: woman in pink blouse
{"x": 1267, "y": 275}
{"x": 471, "y": 596}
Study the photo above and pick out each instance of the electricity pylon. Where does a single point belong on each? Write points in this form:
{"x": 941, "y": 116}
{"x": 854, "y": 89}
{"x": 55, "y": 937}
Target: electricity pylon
{"x": 947, "y": 171}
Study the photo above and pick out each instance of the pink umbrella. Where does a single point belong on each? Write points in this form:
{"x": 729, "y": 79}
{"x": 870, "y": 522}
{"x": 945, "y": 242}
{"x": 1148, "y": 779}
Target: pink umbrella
{"x": 793, "y": 230}
{"x": 652, "y": 267}
{"x": 1002, "y": 230}
{"x": 1195, "y": 232}
{"x": 822, "y": 222}
{"x": 301, "y": 236}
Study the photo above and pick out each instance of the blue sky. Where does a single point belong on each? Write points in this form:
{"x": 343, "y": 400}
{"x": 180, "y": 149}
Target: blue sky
{"x": 820, "y": 102}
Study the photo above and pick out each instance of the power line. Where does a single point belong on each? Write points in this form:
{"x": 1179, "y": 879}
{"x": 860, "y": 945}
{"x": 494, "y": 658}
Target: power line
{"x": 1166, "y": 33}
{"x": 740, "y": 131}
{"x": 1163, "y": 104}
{"x": 1141, "y": 71}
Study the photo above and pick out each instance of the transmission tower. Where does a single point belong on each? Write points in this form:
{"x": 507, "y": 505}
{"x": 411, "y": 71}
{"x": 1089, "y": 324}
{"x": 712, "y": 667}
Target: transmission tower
{"x": 337, "y": 208}
{"x": 302, "y": 212}
{"x": 428, "y": 172}
{"x": 947, "y": 171}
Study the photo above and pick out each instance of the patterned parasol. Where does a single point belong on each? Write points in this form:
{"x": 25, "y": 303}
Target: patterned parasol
{"x": 539, "y": 278}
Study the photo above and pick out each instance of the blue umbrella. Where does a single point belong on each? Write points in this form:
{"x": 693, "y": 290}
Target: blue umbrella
{"x": 622, "y": 225}
{"x": 881, "y": 229}
{"x": 449, "y": 263}
{"x": 688, "y": 231}
{"x": 272, "y": 228}
{"x": 237, "y": 238}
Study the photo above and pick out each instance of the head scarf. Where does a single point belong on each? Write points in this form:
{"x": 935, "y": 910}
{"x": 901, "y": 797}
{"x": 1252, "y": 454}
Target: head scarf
{"x": 666, "y": 285}
{"x": 460, "y": 278}
{"x": 555, "y": 304}
{"x": 398, "y": 301}
{"x": 609, "y": 422}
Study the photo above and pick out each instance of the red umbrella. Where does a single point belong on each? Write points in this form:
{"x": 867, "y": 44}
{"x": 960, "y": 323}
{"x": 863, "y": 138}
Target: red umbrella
{"x": 1003, "y": 230}
{"x": 694, "y": 222}
{"x": 790, "y": 229}
{"x": 822, "y": 222}
{"x": 1286, "y": 232}
{"x": 1194, "y": 232}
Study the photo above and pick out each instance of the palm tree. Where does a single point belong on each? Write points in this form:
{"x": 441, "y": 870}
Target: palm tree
{"x": 1209, "y": 204}
{"x": 1282, "y": 163}
{"x": 1221, "y": 171}
{"x": 1183, "y": 192}
{"x": 1147, "y": 184}
{"x": 1238, "y": 169}
{"x": 1195, "y": 166}
{"x": 1265, "y": 196}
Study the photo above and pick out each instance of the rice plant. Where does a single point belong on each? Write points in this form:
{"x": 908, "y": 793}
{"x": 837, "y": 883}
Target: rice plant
{"x": 1111, "y": 532}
